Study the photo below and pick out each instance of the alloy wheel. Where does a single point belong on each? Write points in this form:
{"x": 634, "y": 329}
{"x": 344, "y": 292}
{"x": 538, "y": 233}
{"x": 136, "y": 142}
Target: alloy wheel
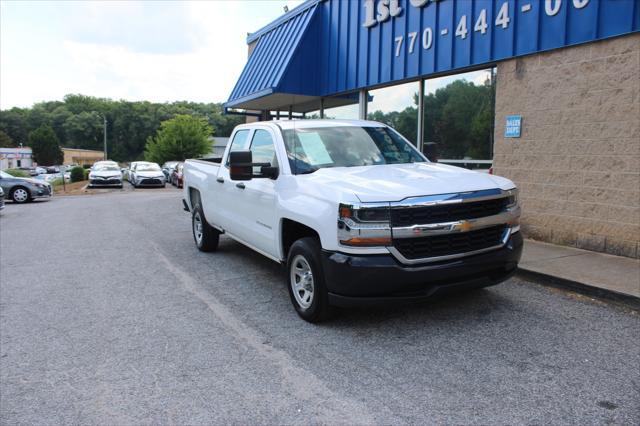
{"x": 301, "y": 281}
{"x": 197, "y": 227}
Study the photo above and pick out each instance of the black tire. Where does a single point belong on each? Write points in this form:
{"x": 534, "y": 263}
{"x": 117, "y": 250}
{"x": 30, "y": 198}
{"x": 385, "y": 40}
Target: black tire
{"x": 16, "y": 195}
{"x": 208, "y": 237}
{"x": 308, "y": 249}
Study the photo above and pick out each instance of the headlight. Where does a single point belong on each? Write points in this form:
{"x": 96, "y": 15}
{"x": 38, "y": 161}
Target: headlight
{"x": 512, "y": 199}
{"x": 38, "y": 185}
{"x": 363, "y": 226}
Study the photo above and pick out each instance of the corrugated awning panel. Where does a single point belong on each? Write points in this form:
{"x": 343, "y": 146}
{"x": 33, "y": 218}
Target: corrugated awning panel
{"x": 270, "y": 58}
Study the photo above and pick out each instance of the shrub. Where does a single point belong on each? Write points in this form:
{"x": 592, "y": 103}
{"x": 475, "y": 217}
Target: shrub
{"x": 179, "y": 138}
{"x": 56, "y": 182}
{"x": 17, "y": 173}
{"x": 77, "y": 174}
{"x": 86, "y": 173}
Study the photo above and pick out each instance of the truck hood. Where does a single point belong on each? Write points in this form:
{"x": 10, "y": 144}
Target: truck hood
{"x": 395, "y": 182}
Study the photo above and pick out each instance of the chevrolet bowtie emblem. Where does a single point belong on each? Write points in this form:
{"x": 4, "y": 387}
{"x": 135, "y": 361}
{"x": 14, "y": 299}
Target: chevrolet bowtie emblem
{"x": 465, "y": 226}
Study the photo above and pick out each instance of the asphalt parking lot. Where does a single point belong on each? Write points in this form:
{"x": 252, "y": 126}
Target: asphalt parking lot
{"x": 110, "y": 315}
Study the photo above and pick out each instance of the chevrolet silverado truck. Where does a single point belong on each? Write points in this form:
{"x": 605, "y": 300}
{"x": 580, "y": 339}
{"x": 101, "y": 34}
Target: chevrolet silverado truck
{"x": 355, "y": 212}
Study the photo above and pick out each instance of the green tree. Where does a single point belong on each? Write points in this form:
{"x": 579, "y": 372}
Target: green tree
{"x": 45, "y": 146}
{"x": 6, "y": 141}
{"x": 179, "y": 138}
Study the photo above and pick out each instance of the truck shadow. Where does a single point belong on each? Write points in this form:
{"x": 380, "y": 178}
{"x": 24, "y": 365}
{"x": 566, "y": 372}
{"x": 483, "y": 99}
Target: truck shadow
{"x": 471, "y": 306}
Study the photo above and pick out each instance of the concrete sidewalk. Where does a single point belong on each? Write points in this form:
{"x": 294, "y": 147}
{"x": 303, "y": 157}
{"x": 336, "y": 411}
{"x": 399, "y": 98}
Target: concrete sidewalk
{"x": 582, "y": 270}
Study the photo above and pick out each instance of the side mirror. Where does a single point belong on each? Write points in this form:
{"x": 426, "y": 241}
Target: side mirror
{"x": 240, "y": 166}
{"x": 269, "y": 172}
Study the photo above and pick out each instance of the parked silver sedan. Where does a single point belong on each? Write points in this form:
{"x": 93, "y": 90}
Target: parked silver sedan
{"x": 105, "y": 174}
{"x": 146, "y": 174}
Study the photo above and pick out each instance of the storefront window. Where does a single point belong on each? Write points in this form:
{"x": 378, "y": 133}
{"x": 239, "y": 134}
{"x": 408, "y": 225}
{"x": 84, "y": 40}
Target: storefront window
{"x": 458, "y": 117}
{"x": 396, "y": 106}
{"x": 343, "y": 107}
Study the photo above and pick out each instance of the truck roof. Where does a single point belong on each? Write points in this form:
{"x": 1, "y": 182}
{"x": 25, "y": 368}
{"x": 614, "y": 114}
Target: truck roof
{"x": 305, "y": 124}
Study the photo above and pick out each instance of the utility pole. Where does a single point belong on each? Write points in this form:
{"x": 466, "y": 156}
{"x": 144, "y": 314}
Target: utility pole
{"x": 104, "y": 117}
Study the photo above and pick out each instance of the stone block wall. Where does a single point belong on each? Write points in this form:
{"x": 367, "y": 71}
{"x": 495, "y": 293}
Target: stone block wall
{"x": 577, "y": 162}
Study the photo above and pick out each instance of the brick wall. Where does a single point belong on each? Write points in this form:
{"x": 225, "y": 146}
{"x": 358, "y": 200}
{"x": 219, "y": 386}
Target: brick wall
{"x": 577, "y": 162}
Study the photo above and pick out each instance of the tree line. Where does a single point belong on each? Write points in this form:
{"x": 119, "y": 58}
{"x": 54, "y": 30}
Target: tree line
{"x": 77, "y": 122}
{"x": 458, "y": 117}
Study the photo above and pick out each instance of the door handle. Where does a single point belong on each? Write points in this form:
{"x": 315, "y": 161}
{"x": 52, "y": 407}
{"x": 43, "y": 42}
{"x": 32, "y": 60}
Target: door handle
{"x": 240, "y": 185}
{"x": 220, "y": 180}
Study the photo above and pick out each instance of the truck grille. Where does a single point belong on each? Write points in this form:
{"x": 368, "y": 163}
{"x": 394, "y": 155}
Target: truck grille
{"x": 424, "y": 215}
{"x": 449, "y": 244}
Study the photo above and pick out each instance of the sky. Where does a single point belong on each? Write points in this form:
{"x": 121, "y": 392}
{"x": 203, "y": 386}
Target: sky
{"x": 159, "y": 51}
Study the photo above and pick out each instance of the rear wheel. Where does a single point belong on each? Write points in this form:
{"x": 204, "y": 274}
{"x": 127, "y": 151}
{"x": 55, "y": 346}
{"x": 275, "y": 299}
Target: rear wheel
{"x": 20, "y": 195}
{"x": 205, "y": 236}
{"x": 306, "y": 283}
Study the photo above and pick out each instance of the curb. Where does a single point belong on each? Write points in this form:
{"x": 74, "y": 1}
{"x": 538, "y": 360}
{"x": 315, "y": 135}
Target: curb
{"x": 578, "y": 287}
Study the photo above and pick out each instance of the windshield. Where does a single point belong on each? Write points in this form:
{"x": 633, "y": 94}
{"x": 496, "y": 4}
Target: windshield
{"x": 311, "y": 149}
{"x": 105, "y": 168}
{"x": 147, "y": 168}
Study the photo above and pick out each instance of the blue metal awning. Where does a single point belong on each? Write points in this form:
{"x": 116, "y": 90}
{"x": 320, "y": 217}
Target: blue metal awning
{"x": 277, "y": 53}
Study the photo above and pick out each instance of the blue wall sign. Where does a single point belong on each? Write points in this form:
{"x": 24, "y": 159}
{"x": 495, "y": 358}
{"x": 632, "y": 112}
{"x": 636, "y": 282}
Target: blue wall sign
{"x": 346, "y": 45}
{"x": 512, "y": 126}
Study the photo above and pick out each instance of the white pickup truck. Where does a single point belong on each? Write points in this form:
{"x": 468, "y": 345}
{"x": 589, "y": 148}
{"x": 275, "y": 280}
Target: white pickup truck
{"x": 357, "y": 214}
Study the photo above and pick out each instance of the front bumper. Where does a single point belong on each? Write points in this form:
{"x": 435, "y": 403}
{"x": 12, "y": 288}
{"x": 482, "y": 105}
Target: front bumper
{"x": 150, "y": 182}
{"x": 375, "y": 279}
{"x": 39, "y": 192}
{"x": 105, "y": 182}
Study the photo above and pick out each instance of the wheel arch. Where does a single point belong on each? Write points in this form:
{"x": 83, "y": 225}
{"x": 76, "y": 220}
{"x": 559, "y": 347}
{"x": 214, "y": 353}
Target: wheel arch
{"x": 19, "y": 186}
{"x": 194, "y": 197}
{"x": 291, "y": 231}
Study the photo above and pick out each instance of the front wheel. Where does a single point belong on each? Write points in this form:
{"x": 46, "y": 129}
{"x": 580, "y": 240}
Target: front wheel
{"x": 205, "y": 236}
{"x": 306, "y": 283}
{"x": 20, "y": 195}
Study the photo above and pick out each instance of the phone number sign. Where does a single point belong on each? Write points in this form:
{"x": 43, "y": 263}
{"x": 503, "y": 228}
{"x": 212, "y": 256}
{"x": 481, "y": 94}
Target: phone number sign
{"x": 370, "y": 42}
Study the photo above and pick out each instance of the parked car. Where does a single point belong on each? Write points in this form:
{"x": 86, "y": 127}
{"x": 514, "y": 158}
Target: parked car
{"x": 31, "y": 170}
{"x": 105, "y": 174}
{"x": 129, "y": 171}
{"x": 167, "y": 168}
{"x": 1, "y": 198}
{"x": 355, "y": 212}
{"x": 40, "y": 171}
{"x": 176, "y": 175}
{"x": 22, "y": 190}
{"x": 147, "y": 174}
{"x": 50, "y": 177}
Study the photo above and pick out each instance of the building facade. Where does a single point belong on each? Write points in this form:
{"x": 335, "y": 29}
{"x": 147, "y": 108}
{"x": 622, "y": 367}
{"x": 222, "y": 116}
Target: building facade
{"x": 82, "y": 157}
{"x": 546, "y": 91}
{"x": 13, "y": 158}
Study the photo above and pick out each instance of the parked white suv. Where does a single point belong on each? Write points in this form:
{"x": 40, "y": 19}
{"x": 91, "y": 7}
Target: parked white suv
{"x": 358, "y": 215}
